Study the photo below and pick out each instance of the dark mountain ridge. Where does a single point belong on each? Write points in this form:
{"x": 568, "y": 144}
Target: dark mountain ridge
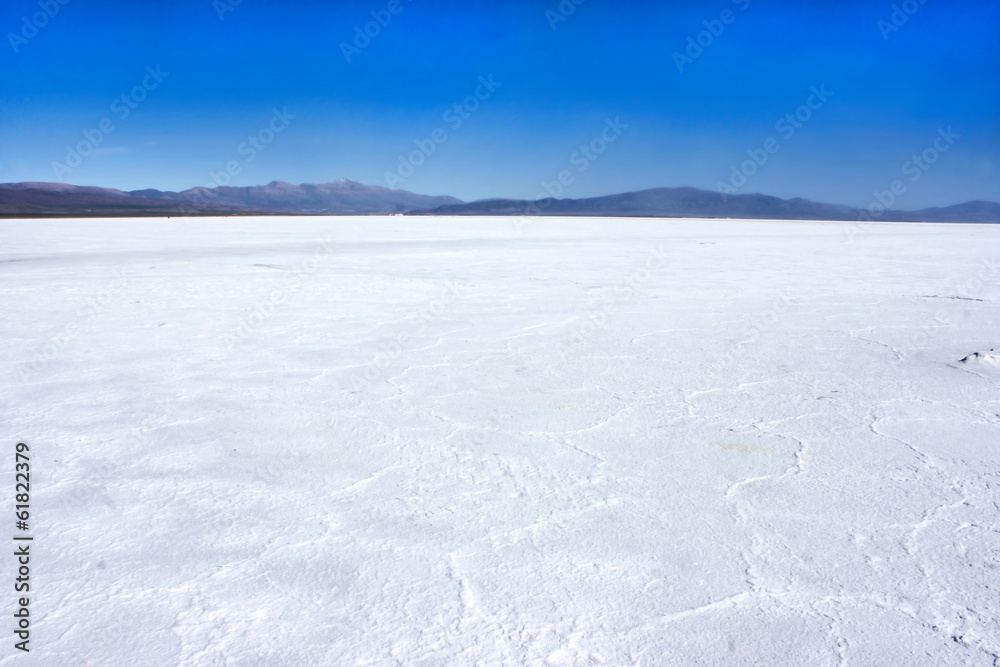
{"x": 341, "y": 197}
{"x": 695, "y": 203}
{"x": 346, "y": 197}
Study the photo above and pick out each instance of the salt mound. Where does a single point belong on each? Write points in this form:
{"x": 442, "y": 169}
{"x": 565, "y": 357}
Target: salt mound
{"x": 984, "y": 360}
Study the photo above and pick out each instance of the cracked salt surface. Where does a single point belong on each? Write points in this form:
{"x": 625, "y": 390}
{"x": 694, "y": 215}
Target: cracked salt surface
{"x": 439, "y": 444}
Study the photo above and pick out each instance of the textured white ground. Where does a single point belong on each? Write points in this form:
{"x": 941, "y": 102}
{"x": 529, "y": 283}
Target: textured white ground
{"x": 418, "y": 441}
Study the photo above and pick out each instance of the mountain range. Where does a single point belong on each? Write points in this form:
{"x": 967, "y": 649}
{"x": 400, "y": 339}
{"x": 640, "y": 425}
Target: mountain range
{"x": 341, "y": 197}
{"x": 695, "y": 203}
{"x": 346, "y": 197}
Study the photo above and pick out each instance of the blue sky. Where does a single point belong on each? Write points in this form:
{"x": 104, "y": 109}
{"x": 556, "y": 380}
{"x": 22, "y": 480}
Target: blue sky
{"x": 686, "y": 113}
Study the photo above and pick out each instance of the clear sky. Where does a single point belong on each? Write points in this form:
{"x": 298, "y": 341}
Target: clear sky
{"x": 690, "y": 88}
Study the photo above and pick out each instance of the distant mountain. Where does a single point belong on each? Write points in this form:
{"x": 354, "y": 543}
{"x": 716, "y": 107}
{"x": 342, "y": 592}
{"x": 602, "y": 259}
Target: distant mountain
{"x": 694, "y": 203}
{"x": 85, "y": 202}
{"x": 345, "y": 197}
{"x": 63, "y": 187}
{"x": 973, "y": 211}
{"x": 341, "y": 197}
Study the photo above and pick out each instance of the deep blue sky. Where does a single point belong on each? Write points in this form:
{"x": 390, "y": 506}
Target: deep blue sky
{"x": 940, "y": 69}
